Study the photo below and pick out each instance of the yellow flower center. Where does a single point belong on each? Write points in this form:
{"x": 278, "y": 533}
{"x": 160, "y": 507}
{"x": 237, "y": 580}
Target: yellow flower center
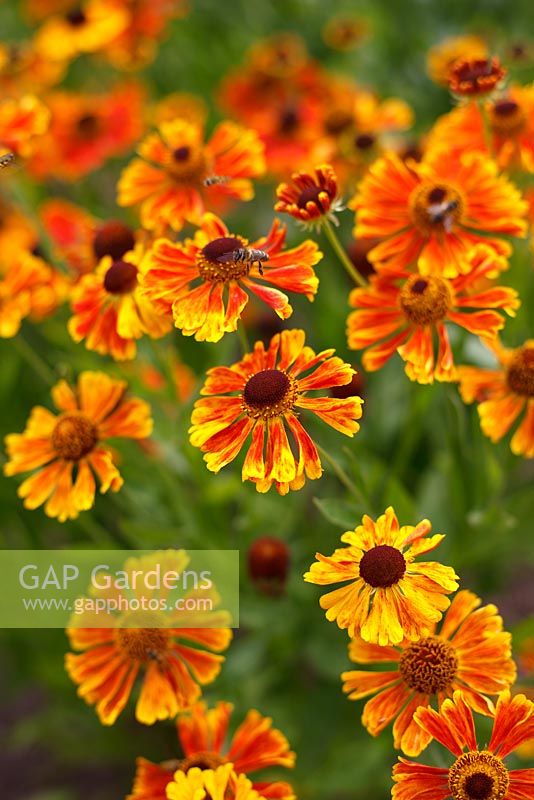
{"x": 121, "y": 278}
{"x": 74, "y": 436}
{"x": 382, "y": 566}
{"x": 520, "y": 372}
{"x": 435, "y": 208}
{"x": 187, "y": 165}
{"x": 269, "y": 393}
{"x": 507, "y": 118}
{"x": 425, "y": 300}
{"x": 143, "y": 644}
{"x": 215, "y": 261}
{"x": 478, "y": 775}
{"x": 429, "y": 665}
{"x": 114, "y": 239}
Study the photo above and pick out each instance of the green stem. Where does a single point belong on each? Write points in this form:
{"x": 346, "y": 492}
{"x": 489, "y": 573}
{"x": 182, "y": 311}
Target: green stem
{"x": 243, "y": 338}
{"x": 34, "y": 360}
{"x": 339, "y": 472}
{"x": 488, "y": 137}
{"x": 339, "y": 250}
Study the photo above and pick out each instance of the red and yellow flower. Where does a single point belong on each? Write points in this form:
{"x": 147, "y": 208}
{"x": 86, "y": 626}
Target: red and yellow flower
{"x": 390, "y": 597}
{"x": 87, "y": 129}
{"x": 511, "y": 123}
{"x": 310, "y": 197}
{"x": 22, "y": 122}
{"x": 404, "y": 314}
{"x": 503, "y": 394}
{"x": 430, "y": 214}
{"x": 69, "y": 449}
{"x": 169, "y": 178}
{"x": 205, "y": 289}
{"x": 475, "y": 77}
{"x": 442, "y": 56}
{"x": 23, "y": 70}
{"x": 85, "y": 28}
{"x": 427, "y": 671}
{"x": 260, "y": 396}
{"x": 210, "y": 784}
{"x": 29, "y": 288}
{"x": 110, "y": 309}
{"x": 476, "y": 774}
{"x": 203, "y": 734}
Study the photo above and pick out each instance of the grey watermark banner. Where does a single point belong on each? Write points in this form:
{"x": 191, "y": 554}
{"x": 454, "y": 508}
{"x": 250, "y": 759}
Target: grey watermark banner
{"x": 119, "y": 588}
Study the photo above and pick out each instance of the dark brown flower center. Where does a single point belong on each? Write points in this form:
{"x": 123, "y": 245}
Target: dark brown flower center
{"x": 289, "y": 121}
{"x": 520, "y": 372}
{"x": 221, "y": 247}
{"x": 121, "y": 278}
{"x": 181, "y": 153}
{"x": 382, "y": 566}
{"x": 203, "y": 760}
{"x": 74, "y": 437}
{"x": 76, "y": 17}
{"x": 475, "y": 76}
{"x": 337, "y": 122}
{"x": 478, "y": 775}
{"x": 310, "y": 195}
{"x": 114, "y": 239}
{"x": 429, "y": 665}
{"x": 507, "y": 117}
{"x": 479, "y": 786}
{"x": 364, "y": 141}
{"x": 425, "y": 301}
{"x": 266, "y": 388}
{"x": 216, "y": 261}
{"x": 88, "y": 126}
{"x": 505, "y": 108}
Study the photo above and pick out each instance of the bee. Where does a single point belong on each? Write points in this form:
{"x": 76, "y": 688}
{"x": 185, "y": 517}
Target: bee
{"x": 441, "y": 213}
{"x": 245, "y": 255}
{"x": 7, "y": 160}
{"x": 157, "y": 657}
{"x": 216, "y": 180}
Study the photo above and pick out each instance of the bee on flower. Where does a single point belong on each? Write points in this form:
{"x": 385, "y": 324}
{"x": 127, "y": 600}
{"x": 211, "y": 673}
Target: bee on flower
{"x": 477, "y": 772}
{"x": 428, "y": 215}
{"x": 168, "y": 180}
{"x": 261, "y": 396}
{"x": 389, "y": 596}
{"x": 426, "y": 671}
{"x": 202, "y": 733}
{"x": 405, "y": 314}
{"x": 503, "y": 394}
{"x": 203, "y": 282}
{"x": 66, "y": 451}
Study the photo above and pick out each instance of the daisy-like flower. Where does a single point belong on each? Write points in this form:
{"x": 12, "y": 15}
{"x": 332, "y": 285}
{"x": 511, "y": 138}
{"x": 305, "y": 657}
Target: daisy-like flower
{"x": 310, "y": 197}
{"x": 442, "y": 56}
{"x": 431, "y": 214}
{"x": 203, "y": 281}
{"x": 511, "y": 122}
{"x": 210, "y": 784}
{"x": 69, "y": 449}
{"x": 203, "y": 736}
{"x": 166, "y": 662}
{"x": 30, "y": 288}
{"x": 475, "y": 77}
{"x": 476, "y": 774}
{"x": 169, "y": 178}
{"x": 427, "y": 671}
{"x": 503, "y": 394}
{"x": 390, "y": 596}
{"x": 24, "y": 70}
{"x": 85, "y": 28}
{"x": 110, "y": 309}
{"x": 404, "y": 315}
{"x": 260, "y": 396}
{"x": 87, "y": 129}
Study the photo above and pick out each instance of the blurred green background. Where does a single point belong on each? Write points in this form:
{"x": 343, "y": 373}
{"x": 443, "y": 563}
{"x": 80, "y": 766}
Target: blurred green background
{"x": 419, "y": 449}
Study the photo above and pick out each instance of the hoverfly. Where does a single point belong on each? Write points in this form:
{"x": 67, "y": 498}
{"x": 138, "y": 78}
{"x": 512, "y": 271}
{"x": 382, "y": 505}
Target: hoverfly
{"x": 216, "y": 180}
{"x": 441, "y": 213}
{"x": 245, "y": 255}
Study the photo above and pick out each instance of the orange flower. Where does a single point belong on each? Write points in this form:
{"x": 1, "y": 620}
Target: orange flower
{"x": 402, "y": 314}
{"x": 81, "y": 240}
{"x": 202, "y": 733}
{"x": 345, "y": 32}
{"x": 442, "y": 56}
{"x": 86, "y": 28}
{"x": 54, "y": 445}
{"x": 29, "y": 288}
{"x": 110, "y": 310}
{"x": 430, "y": 214}
{"x": 526, "y": 656}
{"x": 260, "y": 395}
{"x": 87, "y": 129}
{"x": 169, "y": 178}
{"x": 17, "y": 233}
{"x": 390, "y": 596}
{"x": 476, "y": 774}
{"x": 311, "y": 196}
{"x": 24, "y": 70}
{"x": 21, "y": 122}
{"x": 511, "y": 121}
{"x": 431, "y": 669}
{"x": 474, "y": 77}
{"x": 195, "y": 280}
{"x": 217, "y": 784}
{"x": 503, "y": 394}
